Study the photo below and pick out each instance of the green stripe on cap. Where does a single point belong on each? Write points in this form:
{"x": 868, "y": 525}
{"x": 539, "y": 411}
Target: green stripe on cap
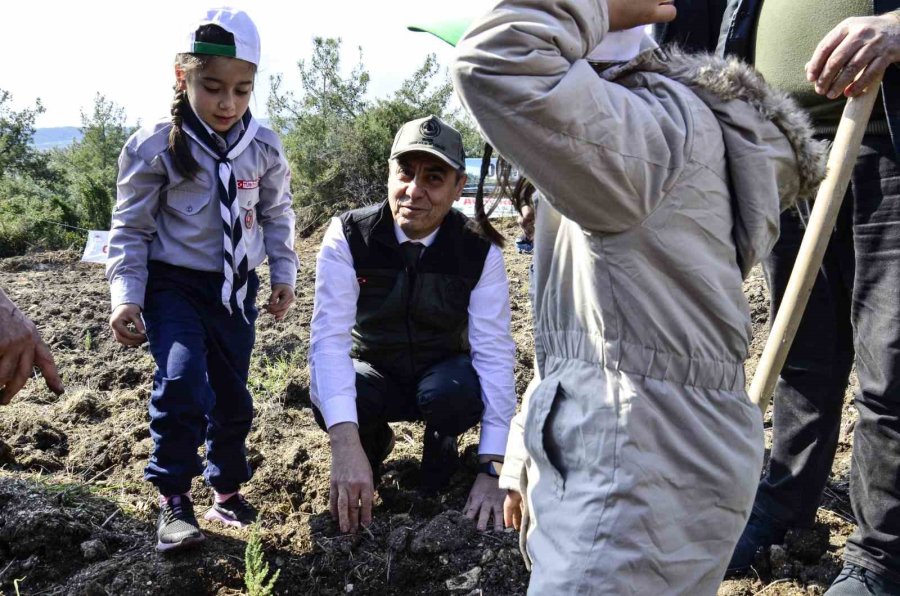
{"x": 450, "y": 30}
{"x": 214, "y": 49}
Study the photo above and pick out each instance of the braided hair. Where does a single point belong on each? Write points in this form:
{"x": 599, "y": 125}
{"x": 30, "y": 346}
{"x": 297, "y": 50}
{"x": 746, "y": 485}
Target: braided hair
{"x": 182, "y": 159}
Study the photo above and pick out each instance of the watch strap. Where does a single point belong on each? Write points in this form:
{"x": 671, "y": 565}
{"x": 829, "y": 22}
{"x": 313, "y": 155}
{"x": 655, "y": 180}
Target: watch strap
{"x": 491, "y": 468}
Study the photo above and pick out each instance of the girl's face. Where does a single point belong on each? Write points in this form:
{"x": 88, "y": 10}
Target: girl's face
{"x": 219, "y": 92}
{"x": 625, "y": 14}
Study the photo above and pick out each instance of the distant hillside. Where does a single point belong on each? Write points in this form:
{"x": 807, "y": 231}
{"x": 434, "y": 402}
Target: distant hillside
{"x": 60, "y": 136}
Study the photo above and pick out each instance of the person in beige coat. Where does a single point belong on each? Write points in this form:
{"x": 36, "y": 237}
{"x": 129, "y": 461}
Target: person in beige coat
{"x": 662, "y": 177}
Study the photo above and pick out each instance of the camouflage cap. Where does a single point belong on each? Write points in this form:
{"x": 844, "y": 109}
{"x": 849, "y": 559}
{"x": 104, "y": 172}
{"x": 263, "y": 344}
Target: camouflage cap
{"x": 431, "y": 135}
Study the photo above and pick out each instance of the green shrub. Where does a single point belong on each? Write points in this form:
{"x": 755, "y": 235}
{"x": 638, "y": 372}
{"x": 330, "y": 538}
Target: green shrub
{"x": 33, "y": 217}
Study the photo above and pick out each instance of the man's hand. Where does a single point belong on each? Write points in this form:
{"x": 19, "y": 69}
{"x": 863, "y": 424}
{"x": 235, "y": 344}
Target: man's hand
{"x": 352, "y": 487}
{"x": 512, "y": 510}
{"x": 280, "y": 301}
{"x": 21, "y": 348}
{"x": 485, "y": 500}
{"x": 118, "y": 322}
{"x": 866, "y": 45}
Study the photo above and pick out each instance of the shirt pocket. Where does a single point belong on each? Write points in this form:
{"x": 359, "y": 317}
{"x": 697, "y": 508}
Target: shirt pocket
{"x": 248, "y": 198}
{"x": 188, "y": 198}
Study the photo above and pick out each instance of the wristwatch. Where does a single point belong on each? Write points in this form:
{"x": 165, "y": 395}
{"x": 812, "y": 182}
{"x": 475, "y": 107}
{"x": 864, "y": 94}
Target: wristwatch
{"x": 491, "y": 468}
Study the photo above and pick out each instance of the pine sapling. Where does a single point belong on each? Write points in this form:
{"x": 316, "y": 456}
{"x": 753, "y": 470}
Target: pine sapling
{"x": 256, "y": 570}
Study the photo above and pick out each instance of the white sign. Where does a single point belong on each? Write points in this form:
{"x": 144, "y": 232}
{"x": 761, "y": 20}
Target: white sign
{"x": 504, "y": 209}
{"x": 97, "y": 247}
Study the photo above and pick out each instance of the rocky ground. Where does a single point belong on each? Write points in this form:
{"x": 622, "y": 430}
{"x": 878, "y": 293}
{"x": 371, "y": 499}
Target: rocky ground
{"x": 76, "y": 518}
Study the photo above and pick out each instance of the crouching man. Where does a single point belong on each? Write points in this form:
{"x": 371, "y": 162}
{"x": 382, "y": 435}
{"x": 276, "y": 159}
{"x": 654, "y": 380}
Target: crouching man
{"x": 412, "y": 323}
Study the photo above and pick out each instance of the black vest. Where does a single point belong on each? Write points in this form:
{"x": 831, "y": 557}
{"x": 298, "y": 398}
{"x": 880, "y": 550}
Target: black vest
{"x": 407, "y": 321}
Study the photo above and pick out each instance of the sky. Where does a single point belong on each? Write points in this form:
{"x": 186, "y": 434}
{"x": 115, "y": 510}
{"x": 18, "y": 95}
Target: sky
{"x": 65, "y": 52}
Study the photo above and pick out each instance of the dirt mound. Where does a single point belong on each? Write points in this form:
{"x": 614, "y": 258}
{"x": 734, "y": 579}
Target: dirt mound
{"x": 76, "y": 518}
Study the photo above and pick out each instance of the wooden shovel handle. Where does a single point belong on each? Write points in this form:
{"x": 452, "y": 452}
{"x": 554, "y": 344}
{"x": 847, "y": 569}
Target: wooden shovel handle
{"x": 841, "y": 162}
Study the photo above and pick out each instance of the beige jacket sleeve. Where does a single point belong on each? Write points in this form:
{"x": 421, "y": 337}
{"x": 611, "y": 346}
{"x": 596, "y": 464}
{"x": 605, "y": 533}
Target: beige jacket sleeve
{"x": 603, "y": 155}
{"x": 516, "y": 455}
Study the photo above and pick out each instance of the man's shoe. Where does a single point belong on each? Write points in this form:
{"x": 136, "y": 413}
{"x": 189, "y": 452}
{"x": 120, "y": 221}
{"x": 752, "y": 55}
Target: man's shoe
{"x": 177, "y": 528}
{"x": 440, "y": 460}
{"x": 235, "y": 512}
{"x": 759, "y": 533}
{"x": 854, "y": 580}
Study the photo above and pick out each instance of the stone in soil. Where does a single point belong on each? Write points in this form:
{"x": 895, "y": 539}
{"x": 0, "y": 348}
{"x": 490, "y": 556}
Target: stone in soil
{"x": 465, "y": 582}
{"x": 94, "y": 550}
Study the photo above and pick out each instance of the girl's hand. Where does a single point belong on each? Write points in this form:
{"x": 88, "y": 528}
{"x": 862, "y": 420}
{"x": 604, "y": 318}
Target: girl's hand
{"x": 512, "y": 510}
{"x": 280, "y": 301}
{"x": 118, "y": 322}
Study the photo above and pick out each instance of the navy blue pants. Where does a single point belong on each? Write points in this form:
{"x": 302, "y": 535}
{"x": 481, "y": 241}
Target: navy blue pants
{"x": 447, "y": 397}
{"x": 200, "y": 392}
{"x": 853, "y": 312}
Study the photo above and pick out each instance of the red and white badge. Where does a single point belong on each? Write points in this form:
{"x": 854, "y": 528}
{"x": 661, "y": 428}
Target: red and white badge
{"x": 247, "y": 184}
{"x": 248, "y": 219}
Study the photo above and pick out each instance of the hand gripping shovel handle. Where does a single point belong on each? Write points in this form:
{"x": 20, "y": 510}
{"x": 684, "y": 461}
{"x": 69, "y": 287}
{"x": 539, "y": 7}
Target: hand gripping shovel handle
{"x": 841, "y": 161}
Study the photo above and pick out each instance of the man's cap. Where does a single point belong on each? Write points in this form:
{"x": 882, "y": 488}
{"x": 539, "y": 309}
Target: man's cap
{"x": 431, "y": 135}
{"x": 449, "y": 30}
{"x": 234, "y": 21}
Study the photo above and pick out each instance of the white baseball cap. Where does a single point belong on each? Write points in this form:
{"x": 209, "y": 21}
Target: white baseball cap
{"x": 234, "y": 21}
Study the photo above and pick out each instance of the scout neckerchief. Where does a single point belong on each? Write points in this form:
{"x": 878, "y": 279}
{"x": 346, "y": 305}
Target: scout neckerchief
{"x": 235, "y": 250}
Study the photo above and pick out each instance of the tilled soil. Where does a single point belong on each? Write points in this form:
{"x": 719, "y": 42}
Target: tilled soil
{"x": 76, "y": 517}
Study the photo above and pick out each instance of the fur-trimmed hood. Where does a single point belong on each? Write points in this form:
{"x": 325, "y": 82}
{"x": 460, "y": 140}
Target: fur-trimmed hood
{"x": 740, "y": 99}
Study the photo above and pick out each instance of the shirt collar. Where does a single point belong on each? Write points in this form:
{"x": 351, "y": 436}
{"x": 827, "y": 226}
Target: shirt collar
{"x": 426, "y": 241}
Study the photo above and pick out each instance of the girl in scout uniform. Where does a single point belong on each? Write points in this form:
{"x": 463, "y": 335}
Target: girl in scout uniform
{"x": 202, "y": 200}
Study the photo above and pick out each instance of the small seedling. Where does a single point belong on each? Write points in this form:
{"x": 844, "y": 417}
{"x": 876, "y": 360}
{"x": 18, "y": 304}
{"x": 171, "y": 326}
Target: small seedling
{"x": 256, "y": 570}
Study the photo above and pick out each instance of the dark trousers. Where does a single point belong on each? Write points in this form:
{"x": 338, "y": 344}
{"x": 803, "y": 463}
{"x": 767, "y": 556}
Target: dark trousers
{"x": 854, "y": 310}
{"x": 200, "y": 392}
{"x": 447, "y": 397}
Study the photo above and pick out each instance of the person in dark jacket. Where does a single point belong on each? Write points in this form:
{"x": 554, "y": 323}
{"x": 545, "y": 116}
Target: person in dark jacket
{"x": 853, "y": 313}
{"x": 412, "y": 322}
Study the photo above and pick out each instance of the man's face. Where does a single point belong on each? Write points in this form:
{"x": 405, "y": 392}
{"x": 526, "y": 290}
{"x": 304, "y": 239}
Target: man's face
{"x": 625, "y": 14}
{"x": 421, "y": 191}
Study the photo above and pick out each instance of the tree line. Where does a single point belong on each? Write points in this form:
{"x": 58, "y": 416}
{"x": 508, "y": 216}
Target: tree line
{"x": 336, "y": 139}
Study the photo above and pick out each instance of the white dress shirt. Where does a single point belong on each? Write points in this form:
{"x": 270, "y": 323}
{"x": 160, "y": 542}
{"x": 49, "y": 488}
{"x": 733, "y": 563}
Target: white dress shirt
{"x": 332, "y": 377}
